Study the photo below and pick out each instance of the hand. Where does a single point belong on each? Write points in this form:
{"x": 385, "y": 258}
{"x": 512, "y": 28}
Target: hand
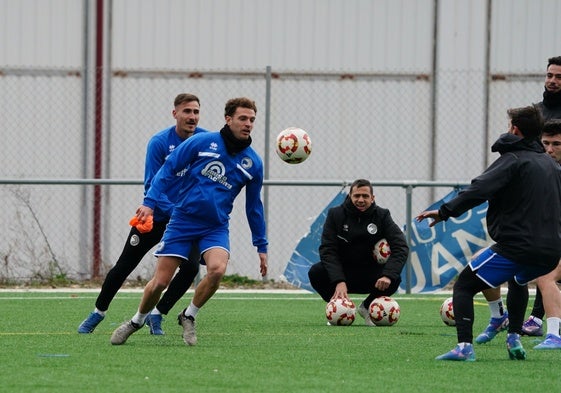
{"x": 263, "y": 264}
{"x": 142, "y": 226}
{"x": 382, "y": 283}
{"x": 430, "y": 214}
{"x": 340, "y": 291}
{"x": 143, "y": 212}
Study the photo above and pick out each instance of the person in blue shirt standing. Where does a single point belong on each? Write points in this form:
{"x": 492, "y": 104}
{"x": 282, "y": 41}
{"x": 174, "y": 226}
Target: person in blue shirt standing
{"x": 139, "y": 241}
{"x": 220, "y": 165}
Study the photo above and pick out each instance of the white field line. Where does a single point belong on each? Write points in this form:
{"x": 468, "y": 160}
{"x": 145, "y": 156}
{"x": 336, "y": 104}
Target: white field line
{"x": 78, "y": 293}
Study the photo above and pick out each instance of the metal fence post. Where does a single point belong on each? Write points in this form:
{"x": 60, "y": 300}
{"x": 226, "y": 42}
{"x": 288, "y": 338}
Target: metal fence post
{"x": 408, "y": 220}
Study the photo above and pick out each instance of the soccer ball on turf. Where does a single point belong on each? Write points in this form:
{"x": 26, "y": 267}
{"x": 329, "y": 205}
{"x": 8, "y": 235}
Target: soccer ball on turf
{"x": 293, "y": 145}
{"x": 384, "y": 311}
{"x": 381, "y": 251}
{"x": 447, "y": 312}
{"x": 340, "y": 312}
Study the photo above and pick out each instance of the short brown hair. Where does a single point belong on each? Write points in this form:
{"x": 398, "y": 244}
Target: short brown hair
{"x": 528, "y": 120}
{"x": 185, "y": 97}
{"x": 240, "y": 102}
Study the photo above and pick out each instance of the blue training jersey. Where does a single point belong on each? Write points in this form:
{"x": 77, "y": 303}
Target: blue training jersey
{"x": 215, "y": 179}
{"x": 159, "y": 148}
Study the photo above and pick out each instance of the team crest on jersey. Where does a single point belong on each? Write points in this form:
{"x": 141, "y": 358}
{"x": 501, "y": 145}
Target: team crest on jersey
{"x": 216, "y": 172}
{"x": 171, "y": 148}
{"x": 135, "y": 240}
{"x": 345, "y": 228}
{"x": 247, "y": 163}
{"x": 213, "y": 146}
{"x": 372, "y": 228}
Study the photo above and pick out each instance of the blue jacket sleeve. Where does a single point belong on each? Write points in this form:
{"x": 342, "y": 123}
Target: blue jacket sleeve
{"x": 156, "y": 153}
{"x": 166, "y": 175}
{"x": 255, "y": 213}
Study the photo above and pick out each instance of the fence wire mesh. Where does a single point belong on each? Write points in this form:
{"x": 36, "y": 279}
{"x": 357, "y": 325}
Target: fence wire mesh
{"x": 379, "y": 127}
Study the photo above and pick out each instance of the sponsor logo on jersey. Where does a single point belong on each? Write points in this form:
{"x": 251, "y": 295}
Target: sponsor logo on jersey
{"x": 215, "y": 171}
{"x": 181, "y": 172}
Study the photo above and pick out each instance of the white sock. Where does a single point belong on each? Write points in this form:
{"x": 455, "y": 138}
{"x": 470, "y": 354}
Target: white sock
{"x": 462, "y": 345}
{"x": 192, "y": 310}
{"x": 102, "y": 313}
{"x": 497, "y": 308}
{"x": 139, "y": 318}
{"x": 553, "y": 325}
{"x": 155, "y": 311}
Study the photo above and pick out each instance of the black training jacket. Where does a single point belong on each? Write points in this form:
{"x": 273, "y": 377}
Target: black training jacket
{"x": 348, "y": 239}
{"x": 523, "y": 187}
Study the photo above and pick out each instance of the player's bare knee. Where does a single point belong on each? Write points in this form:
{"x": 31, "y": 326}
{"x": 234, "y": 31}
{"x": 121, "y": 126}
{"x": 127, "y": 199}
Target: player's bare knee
{"x": 215, "y": 272}
{"x": 215, "y": 275}
{"x": 159, "y": 284}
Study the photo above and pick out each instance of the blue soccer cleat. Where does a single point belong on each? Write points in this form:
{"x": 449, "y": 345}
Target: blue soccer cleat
{"x": 551, "y": 342}
{"x": 465, "y": 354}
{"x": 532, "y": 327}
{"x": 154, "y": 322}
{"x": 90, "y": 323}
{"x": 496, "y": 325}
{"x": 514, "y": 347}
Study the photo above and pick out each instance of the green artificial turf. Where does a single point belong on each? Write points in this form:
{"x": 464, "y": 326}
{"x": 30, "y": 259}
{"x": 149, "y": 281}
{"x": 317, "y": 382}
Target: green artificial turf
{"x": 253, "y": 342}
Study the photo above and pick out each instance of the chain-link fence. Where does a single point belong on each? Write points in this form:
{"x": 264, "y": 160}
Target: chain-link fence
{"x": 384, "y": 127}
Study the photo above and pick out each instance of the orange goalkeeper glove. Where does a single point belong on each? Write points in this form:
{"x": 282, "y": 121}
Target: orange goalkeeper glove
{"x": 142, "y": 226}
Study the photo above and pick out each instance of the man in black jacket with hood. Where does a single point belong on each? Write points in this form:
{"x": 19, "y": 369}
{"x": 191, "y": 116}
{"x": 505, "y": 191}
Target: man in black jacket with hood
{"x": 347, "y": 261}
{"x": 550, "y": 107}
{"x": 523, "y": 188}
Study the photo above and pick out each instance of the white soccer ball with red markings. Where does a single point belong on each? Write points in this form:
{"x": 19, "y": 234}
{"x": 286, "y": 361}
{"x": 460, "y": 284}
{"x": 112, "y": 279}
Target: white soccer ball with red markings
{"x": 340, "y": 312}
{"x": 447, "y": 312}
{"x": 293, "y": 145}
{"x": 384, "y": 311}
{"x": 382, "y": 251}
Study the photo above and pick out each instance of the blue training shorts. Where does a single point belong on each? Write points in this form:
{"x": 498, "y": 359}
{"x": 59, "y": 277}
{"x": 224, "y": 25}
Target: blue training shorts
{"x": 179, "y": 237}
{"x": 494, "y": 269}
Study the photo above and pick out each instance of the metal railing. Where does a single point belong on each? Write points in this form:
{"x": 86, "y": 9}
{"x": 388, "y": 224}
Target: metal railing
{"x": 407, "y": 185}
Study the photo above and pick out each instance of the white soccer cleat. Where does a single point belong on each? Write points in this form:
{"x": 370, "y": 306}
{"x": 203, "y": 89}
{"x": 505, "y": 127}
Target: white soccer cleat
{"x": 123, "y": 332}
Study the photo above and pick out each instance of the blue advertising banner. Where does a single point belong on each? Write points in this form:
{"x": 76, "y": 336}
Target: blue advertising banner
{"x": 437, "y": 254}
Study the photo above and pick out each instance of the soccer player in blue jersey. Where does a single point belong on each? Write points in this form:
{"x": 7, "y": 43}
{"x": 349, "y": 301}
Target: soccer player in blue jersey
{"x": 220, "y": 165}
{"x": 186, "y": 113}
